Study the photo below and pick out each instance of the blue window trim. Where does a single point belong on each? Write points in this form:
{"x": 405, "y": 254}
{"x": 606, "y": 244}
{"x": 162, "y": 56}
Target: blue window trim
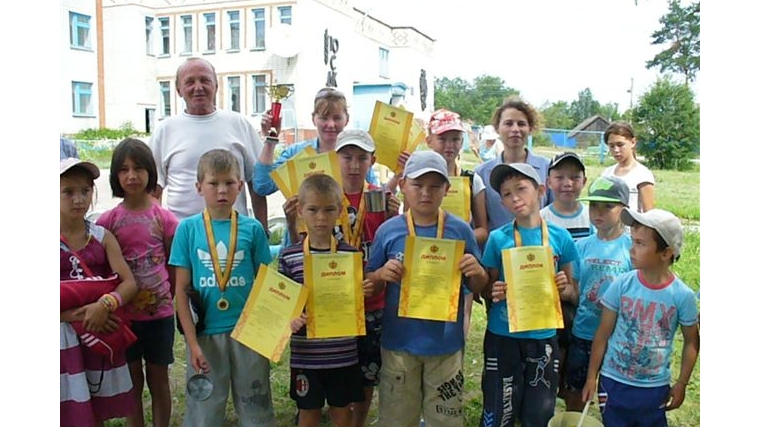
{"x": 77, "y": 91}
{"x": 185, "y": 25}
{"x": 286, "y": 14}
{"x": 206, "y": 25}
{"x": 256, "y": 22}
{"x": 165, "y": 24}
{"x": 232, "y": 21}
{"x": 74, "y": 25}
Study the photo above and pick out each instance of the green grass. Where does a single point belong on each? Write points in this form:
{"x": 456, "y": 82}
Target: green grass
{"x": 675, "y": 191}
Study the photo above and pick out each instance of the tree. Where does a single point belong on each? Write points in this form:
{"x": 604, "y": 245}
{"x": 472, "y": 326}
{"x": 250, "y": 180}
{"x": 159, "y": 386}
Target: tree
{"x": 475, "y": 101}
{"x": 680, "y": 30}
{"x": 557, "y": 116}
{"x": 584, "y": 107}
{"x": 666, "y": 120}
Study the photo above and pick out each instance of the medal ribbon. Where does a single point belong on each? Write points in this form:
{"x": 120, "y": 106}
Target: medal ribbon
{"x": 354, "y": 234}
{"x": 221, "y": 278}
{"x": 544, "y": 234}
{"x": 306, "y": 251}
{"x": 410, "y": 224}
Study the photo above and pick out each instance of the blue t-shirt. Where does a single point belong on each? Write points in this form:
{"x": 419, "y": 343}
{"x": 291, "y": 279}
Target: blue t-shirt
{"x": 641, "y": 345}
{"x": 190, "y": 250}
{"x": 599, "y": 263}
{"x": 498, "y": 214}
{"x": 503, "y": 238}
{"x": 417, "y": 336}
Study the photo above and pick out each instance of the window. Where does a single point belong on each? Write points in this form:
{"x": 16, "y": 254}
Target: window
{"x": 233, "y": 84}
{"x": 81, "y": 98}
{"x": 234, "y": 18}
{"x": 258, "y": 28}
{"x": 187, "y": 33}
{"x": 286, "y": 14}
{"x": 165, "y": 45}
{"x": 384, "y": 62}
{"x": 259, "y": 94}
{"x": 210, "y": 19}
{"x": 166, "y": 100}
{"x": 79, "y": 30}
{"x": 149, "y": 35}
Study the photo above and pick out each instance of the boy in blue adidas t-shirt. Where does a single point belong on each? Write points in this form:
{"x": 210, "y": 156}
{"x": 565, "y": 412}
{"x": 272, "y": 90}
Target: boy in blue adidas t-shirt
{"x": 422, "y": 359}
{"x": 521, "y": 375}
{"x": 642, "y": 309}
{"x": 601, "y": 258}
{"x": 217, "y": 253}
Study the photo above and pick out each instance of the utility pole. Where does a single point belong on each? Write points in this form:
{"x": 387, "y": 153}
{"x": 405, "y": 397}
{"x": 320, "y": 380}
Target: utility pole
{"x": 630, "y": 106}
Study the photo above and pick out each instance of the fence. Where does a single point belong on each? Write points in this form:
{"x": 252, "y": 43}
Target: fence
{"x": 587, "y": 143}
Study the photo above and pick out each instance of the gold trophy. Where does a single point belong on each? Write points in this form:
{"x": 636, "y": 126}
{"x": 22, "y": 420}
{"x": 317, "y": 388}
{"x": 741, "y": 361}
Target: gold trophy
{"x": 277, "y": 93}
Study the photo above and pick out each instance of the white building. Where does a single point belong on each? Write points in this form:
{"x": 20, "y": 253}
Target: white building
{"x": 307, "y": 44}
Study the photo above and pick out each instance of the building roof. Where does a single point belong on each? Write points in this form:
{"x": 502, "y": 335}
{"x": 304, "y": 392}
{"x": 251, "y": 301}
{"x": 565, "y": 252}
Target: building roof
{"x": 589, "y": 122}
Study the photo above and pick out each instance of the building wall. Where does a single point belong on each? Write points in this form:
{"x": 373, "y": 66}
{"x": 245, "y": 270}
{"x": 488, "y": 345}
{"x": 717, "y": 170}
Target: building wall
{"x": 132, "y": 76}
{"x": 77, "y": 64}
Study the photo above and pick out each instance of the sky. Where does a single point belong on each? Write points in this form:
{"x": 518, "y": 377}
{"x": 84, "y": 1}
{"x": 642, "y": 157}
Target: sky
{"x": 549, "y": 50}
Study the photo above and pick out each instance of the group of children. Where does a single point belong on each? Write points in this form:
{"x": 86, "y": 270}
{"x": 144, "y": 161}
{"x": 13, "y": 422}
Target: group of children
{"x": 620, "y": 339}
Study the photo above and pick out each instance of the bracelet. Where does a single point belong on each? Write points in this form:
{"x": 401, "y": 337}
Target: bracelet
{"x": 119, "y": 300}
{"x": 682, "y": 383}
{"x": 109, "y": 301}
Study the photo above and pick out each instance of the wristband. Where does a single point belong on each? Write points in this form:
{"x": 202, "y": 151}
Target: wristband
{"x": 109, "y": 301}
{"x": 119, "y": 300}
{"x": 682, "y": 383}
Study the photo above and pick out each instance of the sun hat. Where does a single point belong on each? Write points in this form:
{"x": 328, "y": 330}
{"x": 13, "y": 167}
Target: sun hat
{"x": 71, "y": 162}
{"x": 500, "y": 172}
{"x": 443, "y": 121}
{"x": 424, "y": 161}
{"x": 567, "y": 155}
{"x": 355, "y": 137}
{"x": 663, "y": 222}
{"x": 489, "y": 133}
{"x": 607, "y": 189}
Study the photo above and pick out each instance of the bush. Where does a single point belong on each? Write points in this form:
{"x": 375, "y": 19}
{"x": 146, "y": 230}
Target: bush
{"x": 124, "y": 131}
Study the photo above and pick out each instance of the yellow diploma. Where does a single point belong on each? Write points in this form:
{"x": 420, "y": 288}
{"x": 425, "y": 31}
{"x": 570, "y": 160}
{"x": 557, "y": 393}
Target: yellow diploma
{"x": 416, "y": 135}
{"x": 264, "y": 324}
{"x": 282, "y": 175}
{"x": 335, "y": 305}
{"x": 390, "y": 129}
{"x": 432, "y": 280}
{"x": 302, "y": 167}
{"x": 532, "y": 296}
{"x": 457, "y": 200}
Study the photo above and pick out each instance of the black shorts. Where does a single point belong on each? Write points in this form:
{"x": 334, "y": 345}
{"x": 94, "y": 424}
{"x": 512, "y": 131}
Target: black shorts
{"x": 310, "y": 388}
{"x": 369, "y": 348}
{"x": 155, "y": 341}
{"x": 568, "y": 315}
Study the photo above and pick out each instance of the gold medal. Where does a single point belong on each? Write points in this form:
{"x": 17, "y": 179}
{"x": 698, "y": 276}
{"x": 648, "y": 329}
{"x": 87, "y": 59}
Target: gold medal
{"x": 222, "y": 277}
{"x": 222, "y": 304}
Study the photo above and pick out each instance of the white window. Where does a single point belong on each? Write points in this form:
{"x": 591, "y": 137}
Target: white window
{"x": 258, "y": 28}
{"x": 286, "y": 14}
{"x": 165, "y": 36}
{"x": 187, "y": 33}
{"x": 81, "y": 96}
{"x": 384, "y": 62}
{"x": 149, "y": 35}
{"x": 79, "y": 31}
{"x": 233, "y": 88}
{"x": 210, "y": 33}
{"x": 166, "y": 100}
{"x": 233, "y": 17}
{"x": 259, "y": 94}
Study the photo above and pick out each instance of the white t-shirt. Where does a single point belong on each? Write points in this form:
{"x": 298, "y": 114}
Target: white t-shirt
{"x": 640, "y": 174}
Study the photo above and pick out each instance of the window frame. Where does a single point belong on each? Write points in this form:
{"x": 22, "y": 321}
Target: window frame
{"x": 74, "y": 26}
{"x": 259, "y": 94}
{"x": 187, "y": 31}
{"x": 165, "y": 26}
{"x": 233, "y": 89}
{"x": 149, "y": 35}
{"x": 234, "y": 27}
{"x": 384, "y": 62}
{"x": 283, "y": 17}
{"x": 209, "y": 30}
{"x": 259, "y": 25}
{"x": 165, "y": 91}
{"x": 77, "y": 92}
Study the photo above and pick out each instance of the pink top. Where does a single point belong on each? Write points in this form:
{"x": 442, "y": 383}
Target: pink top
{"x": 142, "y": 236}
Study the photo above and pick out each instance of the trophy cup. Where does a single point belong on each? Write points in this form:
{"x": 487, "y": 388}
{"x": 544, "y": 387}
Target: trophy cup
{"x": 277, "y": 93}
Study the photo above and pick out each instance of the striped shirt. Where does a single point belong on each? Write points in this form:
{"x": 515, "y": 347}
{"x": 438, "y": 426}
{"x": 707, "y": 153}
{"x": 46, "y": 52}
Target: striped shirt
{"x": 315, "y": 353}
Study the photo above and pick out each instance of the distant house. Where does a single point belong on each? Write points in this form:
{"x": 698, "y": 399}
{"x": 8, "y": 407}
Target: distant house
{"x": 589, "y": 132}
